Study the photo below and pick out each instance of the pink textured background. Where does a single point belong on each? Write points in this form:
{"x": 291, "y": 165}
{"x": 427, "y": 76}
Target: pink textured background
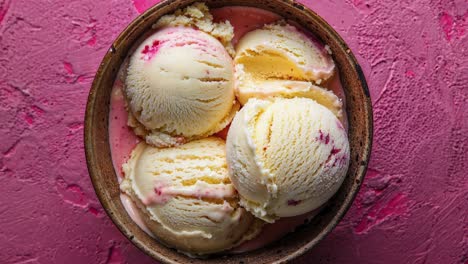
{"x": 413, "y": 204}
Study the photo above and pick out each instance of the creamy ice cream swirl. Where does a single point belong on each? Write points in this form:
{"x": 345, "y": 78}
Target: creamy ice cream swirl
{"x": 286, "y": 157}
{"x": 186, "y": 198}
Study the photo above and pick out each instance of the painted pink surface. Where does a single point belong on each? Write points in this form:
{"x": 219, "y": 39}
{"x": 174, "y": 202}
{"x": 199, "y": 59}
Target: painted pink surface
{"x": 412, "y": 206}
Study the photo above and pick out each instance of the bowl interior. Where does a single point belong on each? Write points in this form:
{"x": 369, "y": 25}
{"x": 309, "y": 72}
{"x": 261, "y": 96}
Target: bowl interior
{"x": 358, "y": 109}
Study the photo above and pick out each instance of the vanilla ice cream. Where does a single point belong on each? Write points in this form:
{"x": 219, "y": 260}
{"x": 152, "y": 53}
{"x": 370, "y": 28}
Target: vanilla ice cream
{"x": 186, "y": 197}
{"x": 179, "y": 87}
{"x": 198, "y": 16}
{"x": 279, "y": 60}
{"x": 286, "y": 157}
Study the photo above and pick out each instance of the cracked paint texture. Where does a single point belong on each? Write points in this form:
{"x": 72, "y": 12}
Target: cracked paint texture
{"x": 413, "y": 203}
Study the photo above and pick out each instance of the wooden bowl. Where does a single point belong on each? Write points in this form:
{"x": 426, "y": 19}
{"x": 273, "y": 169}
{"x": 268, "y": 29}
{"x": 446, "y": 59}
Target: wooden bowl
{"x": 358, "y": 107}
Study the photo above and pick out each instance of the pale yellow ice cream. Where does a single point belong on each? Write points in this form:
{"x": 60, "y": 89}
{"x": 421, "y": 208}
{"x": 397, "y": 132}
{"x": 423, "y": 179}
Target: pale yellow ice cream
{"x": 279, "y": 60}
{"x": 198, "y": 16}
{"x": 286, "y": 157}
{"x": 179, "y": 87}
{"x": 186, "y": 198}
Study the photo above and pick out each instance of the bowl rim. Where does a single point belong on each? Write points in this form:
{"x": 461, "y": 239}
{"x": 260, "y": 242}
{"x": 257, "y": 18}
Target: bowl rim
{"x": 89, "y": 123}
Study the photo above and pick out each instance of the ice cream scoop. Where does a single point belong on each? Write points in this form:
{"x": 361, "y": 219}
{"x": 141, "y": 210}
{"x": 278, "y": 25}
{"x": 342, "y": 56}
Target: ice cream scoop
{"x": 186, "y": 198}
{"x": 179, "y": 87}
{"x": 279, "y": 60}
{"x": 286, "y": 157}
{"x": 198, "y": 16}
